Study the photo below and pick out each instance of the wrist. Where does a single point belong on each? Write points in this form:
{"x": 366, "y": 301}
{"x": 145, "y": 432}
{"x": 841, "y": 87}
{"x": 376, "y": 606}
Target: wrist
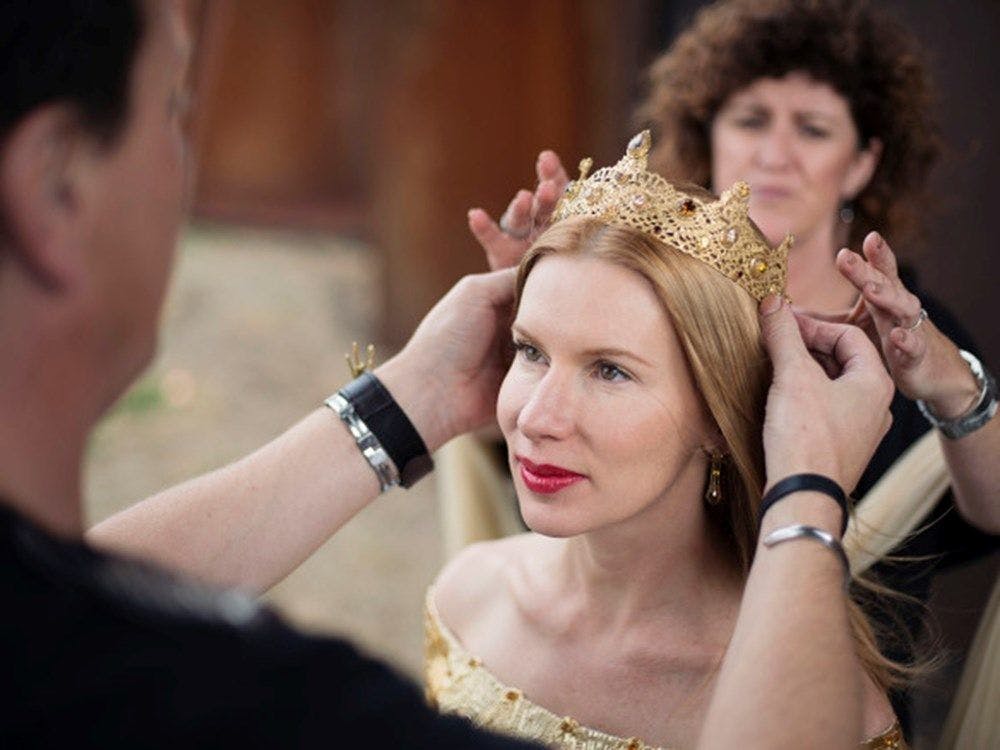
{"x": 983, "y": 408}
{"x": 418, "y": 397}
{"x": 804, "y": 507}
{"x": 958, "y": 390}
{"x": 788, "y": 488}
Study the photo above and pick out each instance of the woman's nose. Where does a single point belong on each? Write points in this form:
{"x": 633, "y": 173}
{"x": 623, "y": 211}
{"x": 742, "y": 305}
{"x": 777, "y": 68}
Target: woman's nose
{"x": 774, "y": 148}
{"x": 549, "y": 411}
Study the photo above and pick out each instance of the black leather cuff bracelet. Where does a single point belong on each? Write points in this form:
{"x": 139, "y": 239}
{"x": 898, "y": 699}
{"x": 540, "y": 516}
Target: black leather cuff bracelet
{"x": 804, "y": 483}
{"x": 376, "y": 407}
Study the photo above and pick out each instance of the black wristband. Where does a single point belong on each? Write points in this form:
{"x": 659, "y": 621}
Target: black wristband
{"x": 804, "y": 483}
{"x": 376, "y": 407}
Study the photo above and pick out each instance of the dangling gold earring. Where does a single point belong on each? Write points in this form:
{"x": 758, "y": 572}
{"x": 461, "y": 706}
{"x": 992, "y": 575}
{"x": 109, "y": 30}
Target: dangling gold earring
{"x": 713, "y": 494}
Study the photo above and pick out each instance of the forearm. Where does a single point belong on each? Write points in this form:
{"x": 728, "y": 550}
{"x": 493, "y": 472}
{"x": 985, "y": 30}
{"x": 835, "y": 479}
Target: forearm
{"x": 972, "y": 459}
{"x": 252, "y": 523}
{"x": 972, "y": 463}
{"x": 790, "y": 667}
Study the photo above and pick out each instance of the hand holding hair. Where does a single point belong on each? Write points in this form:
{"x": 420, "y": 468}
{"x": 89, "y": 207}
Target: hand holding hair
{"x": 447, "y": 376}
{"x": 824, "y": 419}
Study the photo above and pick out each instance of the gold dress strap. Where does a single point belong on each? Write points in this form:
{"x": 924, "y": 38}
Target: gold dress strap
{"x": 456, "y": 682}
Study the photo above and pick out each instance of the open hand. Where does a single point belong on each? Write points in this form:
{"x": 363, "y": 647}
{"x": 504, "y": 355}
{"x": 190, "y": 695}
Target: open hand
{"x": 506, "y": 242}
{"x": 924, "y": 363}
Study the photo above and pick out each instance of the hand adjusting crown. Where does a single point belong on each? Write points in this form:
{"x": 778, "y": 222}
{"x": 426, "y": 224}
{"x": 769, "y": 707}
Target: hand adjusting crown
{"x": 717, "y": 232}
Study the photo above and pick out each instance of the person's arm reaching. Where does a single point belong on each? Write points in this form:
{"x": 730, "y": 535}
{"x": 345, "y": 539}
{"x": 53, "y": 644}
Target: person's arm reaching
{"x": 251, "y": 523}
{"x": 791, "y": 669}
{"x": 926, "y": 365}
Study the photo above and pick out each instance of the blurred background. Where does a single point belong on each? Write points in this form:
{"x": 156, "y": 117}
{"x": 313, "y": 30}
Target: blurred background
{"x": 339, "y": 145}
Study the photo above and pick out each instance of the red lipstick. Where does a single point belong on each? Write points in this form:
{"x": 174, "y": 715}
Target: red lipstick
{"x": 546, "y": 479}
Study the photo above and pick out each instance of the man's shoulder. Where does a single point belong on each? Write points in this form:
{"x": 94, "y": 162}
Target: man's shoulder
{"x": 131, "y": 651}
{"x": 110, "y": 653}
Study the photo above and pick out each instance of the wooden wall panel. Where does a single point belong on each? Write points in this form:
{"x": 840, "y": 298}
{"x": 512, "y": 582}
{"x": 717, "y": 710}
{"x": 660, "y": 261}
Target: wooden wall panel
{"x": 476, "y": 90}
{"x": 394, "y": 118}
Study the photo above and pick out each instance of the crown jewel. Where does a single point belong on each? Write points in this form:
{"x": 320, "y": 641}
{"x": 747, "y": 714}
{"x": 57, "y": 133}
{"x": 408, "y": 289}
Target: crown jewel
{"x": 716, "y": 232}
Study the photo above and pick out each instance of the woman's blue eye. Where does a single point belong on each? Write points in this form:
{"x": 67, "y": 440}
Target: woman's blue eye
{"x": 611, "y": 373}
{"x": 530, "y": 353}
{"x": 750, "y": 123}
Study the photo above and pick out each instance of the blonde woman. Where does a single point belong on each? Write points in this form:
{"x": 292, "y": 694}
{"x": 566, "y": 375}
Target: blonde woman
{"x": 633, "y": 414}
{"x": 824, "y": 108}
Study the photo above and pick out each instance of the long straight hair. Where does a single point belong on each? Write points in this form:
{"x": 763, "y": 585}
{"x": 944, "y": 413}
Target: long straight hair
{"x": 717, "y": 324}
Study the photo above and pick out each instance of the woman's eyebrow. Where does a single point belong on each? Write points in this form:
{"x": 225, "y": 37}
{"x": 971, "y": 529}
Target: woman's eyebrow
{"x": 612, "y": 352}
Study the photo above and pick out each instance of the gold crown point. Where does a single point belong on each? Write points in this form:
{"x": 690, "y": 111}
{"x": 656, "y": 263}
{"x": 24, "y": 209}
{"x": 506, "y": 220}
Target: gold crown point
{"x": 639, "y": 146}
{"x": 717, "y": 232}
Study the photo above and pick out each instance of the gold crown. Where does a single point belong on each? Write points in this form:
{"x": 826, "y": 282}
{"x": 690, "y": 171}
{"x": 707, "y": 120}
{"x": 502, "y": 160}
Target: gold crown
{"x": 717, "y": 232}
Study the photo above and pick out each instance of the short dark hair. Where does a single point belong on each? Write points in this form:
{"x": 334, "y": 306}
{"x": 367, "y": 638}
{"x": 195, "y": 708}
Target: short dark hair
{"x": 857, "y": 49}
{"x": 76, "y": 51}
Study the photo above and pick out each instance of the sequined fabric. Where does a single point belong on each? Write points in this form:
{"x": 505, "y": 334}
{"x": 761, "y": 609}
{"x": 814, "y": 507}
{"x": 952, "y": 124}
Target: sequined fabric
{"x": 456, "y": 682}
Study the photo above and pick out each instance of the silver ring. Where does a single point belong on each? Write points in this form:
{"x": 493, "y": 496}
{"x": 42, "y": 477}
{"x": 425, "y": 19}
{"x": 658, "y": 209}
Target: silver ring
{"x": 522, "y": 235}
{"x": 921, "y": 317}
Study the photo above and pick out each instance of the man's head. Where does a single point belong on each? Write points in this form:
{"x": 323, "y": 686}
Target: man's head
{"x": 76, "y": 51}
{"x": 92, "y": 173}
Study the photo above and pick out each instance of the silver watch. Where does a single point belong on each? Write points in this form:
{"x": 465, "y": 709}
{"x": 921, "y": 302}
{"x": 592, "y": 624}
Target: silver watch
{"x": 982, "y": 411}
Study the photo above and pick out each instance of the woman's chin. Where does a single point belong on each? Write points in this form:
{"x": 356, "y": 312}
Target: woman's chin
{"x": 548, "y": 521}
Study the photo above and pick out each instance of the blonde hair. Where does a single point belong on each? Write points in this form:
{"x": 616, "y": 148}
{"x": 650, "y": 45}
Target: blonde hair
{"x": 717, "y": 324}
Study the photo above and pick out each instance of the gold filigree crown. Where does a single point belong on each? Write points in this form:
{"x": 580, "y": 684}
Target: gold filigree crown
{"x": 716, "y": 232}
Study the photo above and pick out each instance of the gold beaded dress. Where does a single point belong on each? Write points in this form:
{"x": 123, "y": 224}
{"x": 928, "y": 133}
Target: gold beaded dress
{"x": 456, "y": 682}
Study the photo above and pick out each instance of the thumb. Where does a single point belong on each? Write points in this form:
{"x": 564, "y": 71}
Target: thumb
{"x": 498, "y": 286}
{"x": 780, "y": 331}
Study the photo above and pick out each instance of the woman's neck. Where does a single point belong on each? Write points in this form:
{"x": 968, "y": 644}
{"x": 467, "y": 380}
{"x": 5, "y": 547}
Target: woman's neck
{"x": 666, "y": 562}
{"x": 814, "y": 283}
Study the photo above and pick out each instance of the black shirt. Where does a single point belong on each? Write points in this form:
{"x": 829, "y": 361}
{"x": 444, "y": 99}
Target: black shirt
{"x": 100, "y": 651}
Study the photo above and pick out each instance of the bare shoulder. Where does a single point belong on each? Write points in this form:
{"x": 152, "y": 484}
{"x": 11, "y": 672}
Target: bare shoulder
{"x": 474, "y": 584}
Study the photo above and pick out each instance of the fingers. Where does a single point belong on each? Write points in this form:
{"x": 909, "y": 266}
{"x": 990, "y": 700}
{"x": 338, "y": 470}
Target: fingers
{"x": 516, "y": 220}
{"x": 546, "y": 197}
{"x": 497, "y": 286}
{"x": 549, "y": 167}
{"x": 501, "y": 250}
{"x": 890, "y": 303}
{"x": 859, "y": 314}
{"x": 880, "y": 255}
{"x": 782, "y": 338}
{"x": 483, "y": 227}
{"x": 847, "y": 345}
{"x": 835, "y": 317}
{"x": 907, "y": 347}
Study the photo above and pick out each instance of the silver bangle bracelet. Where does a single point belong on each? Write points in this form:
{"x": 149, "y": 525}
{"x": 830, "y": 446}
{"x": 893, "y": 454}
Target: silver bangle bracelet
{"x": 981, "y": 412}
{"x": 368, "y": 444}
{"x": 801, "y": 531}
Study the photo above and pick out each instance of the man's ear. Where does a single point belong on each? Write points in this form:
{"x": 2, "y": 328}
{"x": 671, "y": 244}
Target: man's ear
{"x": 42, "y": 169}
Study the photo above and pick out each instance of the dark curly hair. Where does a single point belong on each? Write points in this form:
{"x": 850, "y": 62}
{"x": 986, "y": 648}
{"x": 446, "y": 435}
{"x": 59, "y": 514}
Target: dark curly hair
{"x": 860, "y": 52}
